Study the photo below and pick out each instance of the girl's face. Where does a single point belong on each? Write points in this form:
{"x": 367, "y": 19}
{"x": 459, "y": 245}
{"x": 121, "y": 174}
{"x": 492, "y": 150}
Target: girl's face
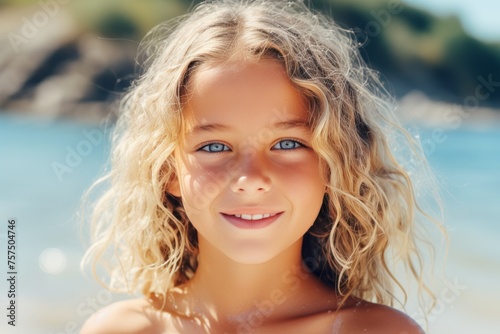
{"x": 247, "y": 151}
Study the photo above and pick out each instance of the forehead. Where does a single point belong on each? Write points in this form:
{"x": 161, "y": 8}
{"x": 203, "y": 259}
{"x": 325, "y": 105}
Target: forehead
{"x": 257, "y": 92}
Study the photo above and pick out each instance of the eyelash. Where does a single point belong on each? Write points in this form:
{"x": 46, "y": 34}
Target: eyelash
{"x": 295, "y": 141}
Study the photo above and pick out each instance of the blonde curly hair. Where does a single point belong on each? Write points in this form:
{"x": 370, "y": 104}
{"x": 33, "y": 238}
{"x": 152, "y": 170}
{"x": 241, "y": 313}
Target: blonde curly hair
{"x": 370, "y": 212}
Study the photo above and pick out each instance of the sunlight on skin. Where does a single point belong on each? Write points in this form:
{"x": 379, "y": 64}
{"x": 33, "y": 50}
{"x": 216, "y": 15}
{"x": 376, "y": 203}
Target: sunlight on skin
{"x": 267, "y": 179}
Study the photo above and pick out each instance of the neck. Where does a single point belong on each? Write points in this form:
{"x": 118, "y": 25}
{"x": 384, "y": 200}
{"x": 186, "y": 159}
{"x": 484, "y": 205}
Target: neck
{"x": 231, "y": 291}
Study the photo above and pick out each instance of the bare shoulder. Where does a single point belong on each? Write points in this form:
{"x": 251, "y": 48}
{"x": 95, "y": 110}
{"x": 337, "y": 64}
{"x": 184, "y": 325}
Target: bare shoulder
{"x": 130, "y": 316}
{"x": 370, "y": 318}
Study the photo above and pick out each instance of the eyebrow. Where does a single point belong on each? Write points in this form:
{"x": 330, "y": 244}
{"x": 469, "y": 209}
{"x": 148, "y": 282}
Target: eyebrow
{"x": 283, "y": 125}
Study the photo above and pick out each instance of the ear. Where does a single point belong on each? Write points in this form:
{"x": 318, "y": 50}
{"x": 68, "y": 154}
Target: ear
{"x": 173, "y": 185}
{"x": 174, "y": 188}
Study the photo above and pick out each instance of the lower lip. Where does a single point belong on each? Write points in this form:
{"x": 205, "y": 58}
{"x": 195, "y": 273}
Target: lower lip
{"x": 251, "y": 224}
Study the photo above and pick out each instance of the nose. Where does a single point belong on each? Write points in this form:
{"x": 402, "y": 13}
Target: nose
{"x": 252, "y": 178}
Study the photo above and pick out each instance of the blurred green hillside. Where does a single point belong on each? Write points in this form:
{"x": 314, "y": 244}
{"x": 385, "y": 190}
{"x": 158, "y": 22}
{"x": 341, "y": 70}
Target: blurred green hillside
{"x": 413, "y": 49}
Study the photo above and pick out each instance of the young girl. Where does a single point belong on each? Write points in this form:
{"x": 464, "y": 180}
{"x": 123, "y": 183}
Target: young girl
{"x": 253, "y": 186}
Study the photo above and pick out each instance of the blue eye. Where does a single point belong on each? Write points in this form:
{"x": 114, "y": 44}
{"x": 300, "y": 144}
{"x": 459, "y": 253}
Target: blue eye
{"x": 214, "y": 147}
{"x": 287, "y": 144}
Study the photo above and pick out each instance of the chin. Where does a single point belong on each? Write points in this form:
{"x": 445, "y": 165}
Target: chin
{"x": 252, "y": 255}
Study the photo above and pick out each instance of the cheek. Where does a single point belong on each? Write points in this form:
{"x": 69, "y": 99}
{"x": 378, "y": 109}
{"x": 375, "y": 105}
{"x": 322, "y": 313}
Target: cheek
{"x": 305, "y": 185}
{"x": 200, "y": 184}
{"x": 304, "y": 173}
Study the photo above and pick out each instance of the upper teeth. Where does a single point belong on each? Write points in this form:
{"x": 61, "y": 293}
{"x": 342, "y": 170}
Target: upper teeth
{"x": 255, "y": 217}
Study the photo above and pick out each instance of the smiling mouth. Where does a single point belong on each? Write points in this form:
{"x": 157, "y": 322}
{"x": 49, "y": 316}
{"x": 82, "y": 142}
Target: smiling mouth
{"x": 248, "y": 221}
{"x": 254, "y": 217}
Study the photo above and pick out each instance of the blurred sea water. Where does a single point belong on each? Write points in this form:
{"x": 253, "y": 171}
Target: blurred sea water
{"x": 52, "y": 294}
{"x": 466, "y": 162}
{"x": 44, "y": 196}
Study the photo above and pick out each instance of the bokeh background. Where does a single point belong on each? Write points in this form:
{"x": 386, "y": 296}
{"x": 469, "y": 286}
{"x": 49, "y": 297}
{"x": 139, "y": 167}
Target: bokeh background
{"x": 63, "y": 65}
